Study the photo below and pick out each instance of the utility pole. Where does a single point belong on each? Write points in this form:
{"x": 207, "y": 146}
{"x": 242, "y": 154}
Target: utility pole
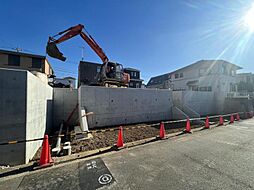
{"x": 82, "y": 52}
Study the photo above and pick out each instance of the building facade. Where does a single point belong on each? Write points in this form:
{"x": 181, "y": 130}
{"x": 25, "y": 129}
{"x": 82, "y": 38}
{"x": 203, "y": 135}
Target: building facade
{"x": 88, "y": 73}
{"x": 25, "y": 61}
{"x": 135, "y": 81}
{"x": 204, "y": 75}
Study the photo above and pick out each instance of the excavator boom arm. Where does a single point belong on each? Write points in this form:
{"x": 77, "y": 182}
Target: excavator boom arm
{"x": 54, "y": 52}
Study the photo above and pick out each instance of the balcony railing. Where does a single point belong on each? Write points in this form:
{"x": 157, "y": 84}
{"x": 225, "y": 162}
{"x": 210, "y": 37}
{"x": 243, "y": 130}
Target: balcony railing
{"x": 238, "y": 95}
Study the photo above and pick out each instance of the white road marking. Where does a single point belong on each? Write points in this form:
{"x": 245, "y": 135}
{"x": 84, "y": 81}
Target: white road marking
{"x": 228, "y": 143}
{"x": 105, "y": 179}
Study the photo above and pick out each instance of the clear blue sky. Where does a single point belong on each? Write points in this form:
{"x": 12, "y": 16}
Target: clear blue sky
{"x": 155, "y": 36}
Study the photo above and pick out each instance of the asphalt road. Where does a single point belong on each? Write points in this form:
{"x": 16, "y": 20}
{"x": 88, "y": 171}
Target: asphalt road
{"x": 219, "y": 158}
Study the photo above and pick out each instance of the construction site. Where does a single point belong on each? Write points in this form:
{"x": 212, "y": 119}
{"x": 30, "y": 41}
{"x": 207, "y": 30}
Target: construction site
{"x": 49, "y": 120}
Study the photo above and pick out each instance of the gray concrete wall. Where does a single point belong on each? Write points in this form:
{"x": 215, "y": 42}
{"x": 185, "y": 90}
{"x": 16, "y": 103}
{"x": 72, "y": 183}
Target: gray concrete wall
{"x": 24, "y": 109}
{"x": 201, "y": 102}
{"x": 65, "y": 100}
{"x": 38, "y": 112}
{"x": 12, "y": 115}
{"x": 119, "y": 106}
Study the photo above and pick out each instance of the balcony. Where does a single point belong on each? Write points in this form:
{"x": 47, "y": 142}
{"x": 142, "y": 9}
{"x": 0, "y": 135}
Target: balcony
{"x": 245, "y": 95}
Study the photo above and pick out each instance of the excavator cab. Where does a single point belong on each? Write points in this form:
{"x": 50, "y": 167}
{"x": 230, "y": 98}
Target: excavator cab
{"x": 53, "y": 51}
{"x": 113, "y": 73}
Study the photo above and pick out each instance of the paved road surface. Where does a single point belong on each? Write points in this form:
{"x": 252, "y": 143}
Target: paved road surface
{"x": 220, "y": 158}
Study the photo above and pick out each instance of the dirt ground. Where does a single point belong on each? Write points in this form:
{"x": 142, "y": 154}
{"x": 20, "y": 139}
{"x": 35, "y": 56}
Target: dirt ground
{"x": 130, "y": 133}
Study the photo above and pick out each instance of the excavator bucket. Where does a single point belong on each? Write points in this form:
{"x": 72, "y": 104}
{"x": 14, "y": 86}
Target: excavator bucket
{"x": 53, "y": 51}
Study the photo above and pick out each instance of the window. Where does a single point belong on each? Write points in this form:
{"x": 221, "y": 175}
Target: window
{"x": 36, "y": 63}
{"x": 176, "y": 75}
{"x": 134, "y": 74}
{"x": 194, "y": 88}
{"x": 232, "y": 72}
{"x": 181, "y": 75}
{"x": 98, "y": 68}
{"x": 14, "y": 60}
{"x": 223, "y": 69}
{"x": 202, "y": 72}
{"x": 137, "y": 85}
{"x": 131, "y": 84}
{"x": 205, "y": 88}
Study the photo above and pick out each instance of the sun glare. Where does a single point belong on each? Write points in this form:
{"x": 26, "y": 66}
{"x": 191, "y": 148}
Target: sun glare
{"x": 249, "y": 19}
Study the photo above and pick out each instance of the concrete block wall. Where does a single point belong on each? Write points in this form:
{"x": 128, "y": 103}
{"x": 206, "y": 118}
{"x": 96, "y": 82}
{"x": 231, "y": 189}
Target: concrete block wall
{"x": 65, "y": 100}
{"x": 116, "y": 106}
{"x": 25, "y": 111}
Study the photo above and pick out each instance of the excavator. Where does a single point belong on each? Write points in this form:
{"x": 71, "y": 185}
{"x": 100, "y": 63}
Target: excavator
{"x": 111, "y": 73}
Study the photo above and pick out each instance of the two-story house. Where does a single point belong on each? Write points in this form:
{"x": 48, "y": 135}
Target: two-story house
{"x": 135, "y": 81}
{"x": 204, "y": 75}
{"x": 36, "y": 64}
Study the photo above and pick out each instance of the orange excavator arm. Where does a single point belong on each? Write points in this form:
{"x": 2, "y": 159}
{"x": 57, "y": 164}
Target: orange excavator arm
{"x": 69, "y": 33}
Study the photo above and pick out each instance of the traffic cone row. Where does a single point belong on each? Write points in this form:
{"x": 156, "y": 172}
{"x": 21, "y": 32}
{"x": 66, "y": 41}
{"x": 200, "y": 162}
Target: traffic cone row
{"x": 162, "y": 134}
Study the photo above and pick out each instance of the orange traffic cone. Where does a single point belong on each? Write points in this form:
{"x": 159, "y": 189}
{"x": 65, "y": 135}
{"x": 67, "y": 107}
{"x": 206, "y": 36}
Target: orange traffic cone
{"x": 120, "y": 138}
{"x": 45, "y": 158}
{"x": 162, "y": 131}
{"x": 237, "y": 117}
{"x": 188, "y": 127}
{"x": 231, "y": 119}
{"x": 221, "y": 120}
{"x": 207, "y": 124}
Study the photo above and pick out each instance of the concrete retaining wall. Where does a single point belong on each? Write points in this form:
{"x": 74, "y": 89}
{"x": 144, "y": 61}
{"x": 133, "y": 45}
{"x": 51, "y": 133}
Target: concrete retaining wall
{"x": 25, "y": 105}
{"x": 201, "y": 102}
{"x": 116, "y": 106}
{"x": 38, "y": 113}
{"x": 65, "y": 100}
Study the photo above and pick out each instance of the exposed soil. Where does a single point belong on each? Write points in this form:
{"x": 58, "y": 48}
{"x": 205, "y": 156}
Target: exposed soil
{"x": 131, "y": 133}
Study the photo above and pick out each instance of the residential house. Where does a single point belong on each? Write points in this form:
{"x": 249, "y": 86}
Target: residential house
{"x": 135, "y": 81}
{"x": 204, "y": 75}
{"x": 25, "y": 61}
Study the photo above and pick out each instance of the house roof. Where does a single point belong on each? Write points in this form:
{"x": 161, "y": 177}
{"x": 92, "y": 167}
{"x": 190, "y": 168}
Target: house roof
{"x": 22, "y": 53}
{"x": 207, "y": 62}
{"x": 161, "y": 78}
{"x": 131, "y": 69}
